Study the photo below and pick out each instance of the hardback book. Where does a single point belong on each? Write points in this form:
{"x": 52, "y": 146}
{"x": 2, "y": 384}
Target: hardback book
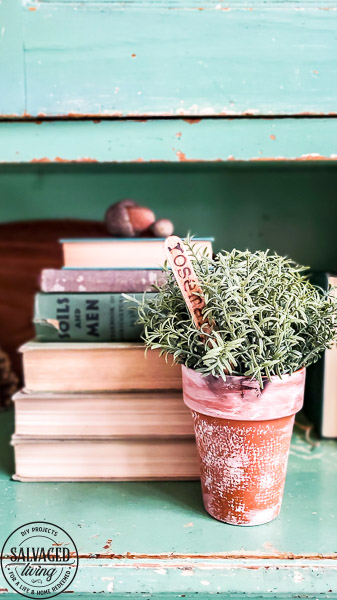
{"x": 96, "y": 366}
{"x": 320, "y": 400}
{"x": 131, "y": 414}
{"x": 101, "y": 280}
{"x": 81, "y": 317}
{"x": 109, "y": 459}
{"x": 329, "y": 407}
{"x": 121, "y": 252}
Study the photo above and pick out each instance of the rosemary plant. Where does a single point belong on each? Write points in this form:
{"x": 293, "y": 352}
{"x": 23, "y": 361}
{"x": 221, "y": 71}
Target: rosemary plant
{"x": 269, "y": 319}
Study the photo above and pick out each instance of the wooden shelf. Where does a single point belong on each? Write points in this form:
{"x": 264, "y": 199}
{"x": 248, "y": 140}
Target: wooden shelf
{"x": 168, "y": 140}
{"x": 155, "y": 538}
{"x": 168, "y": 58}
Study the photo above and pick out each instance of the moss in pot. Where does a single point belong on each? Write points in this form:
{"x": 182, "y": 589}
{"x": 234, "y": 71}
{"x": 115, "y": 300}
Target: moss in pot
{"x": 243, "y": 381}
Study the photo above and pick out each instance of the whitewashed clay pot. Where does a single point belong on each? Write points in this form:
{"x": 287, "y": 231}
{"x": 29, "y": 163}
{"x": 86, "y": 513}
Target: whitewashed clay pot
{"x": 243, "y": 437}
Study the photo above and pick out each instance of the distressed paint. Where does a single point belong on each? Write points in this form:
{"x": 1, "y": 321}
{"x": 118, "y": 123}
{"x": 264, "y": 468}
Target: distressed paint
{"x": 206, "y": 140}
{"x": 241, "y": 578}
{"x": 147, "y": 519}
{"x": 246, "y": 578}
{"x": 12, "y": 80}
{"x": 240, "y": 398}
{"x": 107, "y": 58}
{"x": 128, "y": 534}
{"x": 243, "y": 436}
{"x": 188, "y": 4}
{"x": 243, "y": 467}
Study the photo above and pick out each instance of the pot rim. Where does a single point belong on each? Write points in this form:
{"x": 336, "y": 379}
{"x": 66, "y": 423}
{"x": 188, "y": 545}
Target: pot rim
{"x": 264, "y": 377}
{"x": 242, "y": 399}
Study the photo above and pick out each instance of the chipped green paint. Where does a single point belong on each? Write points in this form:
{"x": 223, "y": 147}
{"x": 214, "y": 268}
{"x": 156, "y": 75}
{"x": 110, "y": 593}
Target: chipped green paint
{"x": 190, "y": 58}
{"x": 155, "y": 538}
{"x": 178, "y": 140}
{"x": 168, "y": 58}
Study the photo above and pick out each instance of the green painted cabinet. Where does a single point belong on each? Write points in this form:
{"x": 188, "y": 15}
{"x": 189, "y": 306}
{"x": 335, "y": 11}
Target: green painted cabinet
{"x": 220, "y": 115}
{"x": 168, "y": 57}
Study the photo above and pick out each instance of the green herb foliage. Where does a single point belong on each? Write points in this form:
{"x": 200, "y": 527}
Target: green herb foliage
{"x": 270, "y": 320}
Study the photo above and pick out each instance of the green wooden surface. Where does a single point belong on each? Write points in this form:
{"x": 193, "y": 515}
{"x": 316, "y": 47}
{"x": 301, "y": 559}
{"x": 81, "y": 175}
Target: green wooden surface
{"x": 162, "y": 541}
{"x": 288, "y": 208}
{"x": 12, "y": 80}
{"x": 170, "y": 140}
{"x": 168, "y": 58}
{"x": 192, "y": 58}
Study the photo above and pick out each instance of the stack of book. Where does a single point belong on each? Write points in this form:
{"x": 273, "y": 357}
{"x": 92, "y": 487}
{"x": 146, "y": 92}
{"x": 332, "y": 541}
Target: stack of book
{"x": 94, "y": 407}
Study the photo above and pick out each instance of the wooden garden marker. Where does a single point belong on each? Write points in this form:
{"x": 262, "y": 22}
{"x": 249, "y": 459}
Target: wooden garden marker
{"x": 187, "y": 280}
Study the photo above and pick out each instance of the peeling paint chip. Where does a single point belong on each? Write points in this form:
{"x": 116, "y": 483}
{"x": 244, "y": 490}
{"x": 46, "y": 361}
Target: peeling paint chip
{"x": 187, "y": 573}
{"x": 160, "y": 571}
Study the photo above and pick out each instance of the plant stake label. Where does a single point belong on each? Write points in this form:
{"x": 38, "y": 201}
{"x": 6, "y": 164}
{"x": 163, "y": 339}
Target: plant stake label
{"x": 187, "y": 280}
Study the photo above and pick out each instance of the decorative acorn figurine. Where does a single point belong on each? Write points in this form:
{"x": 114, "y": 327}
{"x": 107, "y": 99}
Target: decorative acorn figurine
{"x": 127, "y": 219}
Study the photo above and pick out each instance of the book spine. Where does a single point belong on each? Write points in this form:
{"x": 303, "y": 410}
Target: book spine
{"x": 314, "y": 381}
{"x": 86, "y": 318}
{"x": 100, "y": 280}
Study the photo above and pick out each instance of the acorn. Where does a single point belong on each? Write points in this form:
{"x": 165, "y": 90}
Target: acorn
{"x": 127, "y": 219}
{"x": 162, "y": 228}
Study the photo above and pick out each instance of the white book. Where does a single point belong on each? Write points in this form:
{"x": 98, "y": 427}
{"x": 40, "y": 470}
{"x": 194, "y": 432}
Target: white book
{"x": 105, "y": 459}
{"x": 121, "y": 252}
{"x": 152, "y": 413}
{"x": 329, "y": 410}
{"x": 96, "y": 367}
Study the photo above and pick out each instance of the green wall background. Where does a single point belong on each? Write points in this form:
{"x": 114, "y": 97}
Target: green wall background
{"x": 290, "y": 208}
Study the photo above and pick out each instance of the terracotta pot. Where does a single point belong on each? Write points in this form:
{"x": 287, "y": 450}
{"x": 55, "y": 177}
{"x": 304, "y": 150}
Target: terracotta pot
{"x": 243, "y": 437}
